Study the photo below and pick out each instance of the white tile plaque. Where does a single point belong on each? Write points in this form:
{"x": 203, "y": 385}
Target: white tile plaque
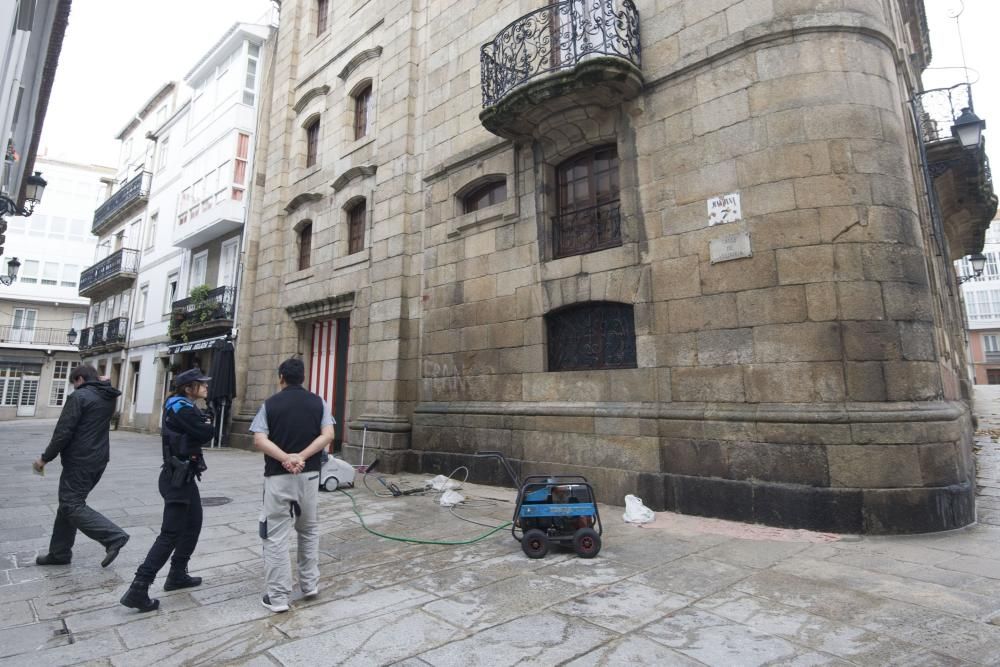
{"x": 724, "y": 209}
{"x": 730, "y": 246}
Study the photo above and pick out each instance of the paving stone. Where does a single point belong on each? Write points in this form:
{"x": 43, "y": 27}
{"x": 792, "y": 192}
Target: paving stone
{"x": 624, "y": 606}
{"x": 516, "y": 643}
{"x": 214, "y": 647}
{"x": 692, "y": 576}
{"x": 83, "y": 648}
{"x": 32, "y": 637}
{"x": 632, "y": 651}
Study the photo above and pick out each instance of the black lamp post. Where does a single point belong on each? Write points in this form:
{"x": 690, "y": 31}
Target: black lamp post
{"x": 978, "y": 262}
{"x": 968, "y": 129}
{"x": 71, "y": 336}
{"x": 34, "y": 186}
{"x": 12, "y": 266}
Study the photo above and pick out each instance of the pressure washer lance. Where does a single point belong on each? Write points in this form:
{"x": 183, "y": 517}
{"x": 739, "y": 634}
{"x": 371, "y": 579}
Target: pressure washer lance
{"x": 364, "y": 436}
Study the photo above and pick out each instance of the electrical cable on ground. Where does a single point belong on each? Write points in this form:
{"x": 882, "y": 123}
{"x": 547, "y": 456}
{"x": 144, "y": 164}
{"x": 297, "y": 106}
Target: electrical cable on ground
{"x": 414, "y": 540}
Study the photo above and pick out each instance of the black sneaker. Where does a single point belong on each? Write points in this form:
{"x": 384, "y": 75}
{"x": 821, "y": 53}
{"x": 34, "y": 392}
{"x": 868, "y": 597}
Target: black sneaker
{"x": 276, "y": 608}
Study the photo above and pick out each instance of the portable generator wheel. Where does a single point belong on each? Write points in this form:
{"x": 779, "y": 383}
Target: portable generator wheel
{"x": 331, "y": 484}
{"x": 535, "y": 543}
{"x": 586, "y": 543}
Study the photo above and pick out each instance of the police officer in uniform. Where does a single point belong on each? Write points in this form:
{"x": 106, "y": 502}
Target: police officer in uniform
{"x": 185, "y": 429}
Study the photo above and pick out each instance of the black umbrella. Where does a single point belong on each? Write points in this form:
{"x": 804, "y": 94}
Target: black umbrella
{"x": 222, "y": 388}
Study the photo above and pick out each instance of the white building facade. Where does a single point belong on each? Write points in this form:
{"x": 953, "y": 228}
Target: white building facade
{"x": 39, "y": 311}
{"x": 981, "y": 295}
{"x": 182, "y": 296}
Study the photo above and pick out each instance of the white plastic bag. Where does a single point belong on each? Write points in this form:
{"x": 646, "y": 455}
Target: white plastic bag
{"x": 636, "y": 512}
{"x": 451, "y": 498}
{"x": 442, "y": 483}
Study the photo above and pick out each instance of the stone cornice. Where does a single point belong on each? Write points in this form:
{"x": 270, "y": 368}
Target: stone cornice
{"x": 299, "y": 200}
{"x": 321, "y": 308}
{"x": 355, "y": 62}
{"x": 318, "y": 91}
{"x": 352, "y": 173}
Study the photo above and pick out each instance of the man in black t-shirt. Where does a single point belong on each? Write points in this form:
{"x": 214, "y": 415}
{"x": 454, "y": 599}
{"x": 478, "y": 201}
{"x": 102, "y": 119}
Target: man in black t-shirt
{"x": 291, "y": 429}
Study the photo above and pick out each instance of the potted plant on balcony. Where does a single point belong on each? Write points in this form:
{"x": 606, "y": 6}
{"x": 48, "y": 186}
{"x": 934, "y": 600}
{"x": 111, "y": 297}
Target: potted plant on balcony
{"x": 200, "y": 309}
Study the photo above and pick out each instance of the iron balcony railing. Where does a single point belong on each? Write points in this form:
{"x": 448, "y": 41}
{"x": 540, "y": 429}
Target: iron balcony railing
{"x": 558, "y": 37}
{"x": 134, "y": 190}
{"x": 104, "y": 334}
{"x": 36, "y": 336}
{"x": 218, "y": 304}
{"x": 587, "y": 230}
{"x": 939, "y": 108}
{"x": 125, "y": 260}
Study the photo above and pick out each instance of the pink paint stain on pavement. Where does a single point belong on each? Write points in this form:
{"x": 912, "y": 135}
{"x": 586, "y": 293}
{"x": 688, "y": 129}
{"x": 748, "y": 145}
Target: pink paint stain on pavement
{"x": 697, "y": 525}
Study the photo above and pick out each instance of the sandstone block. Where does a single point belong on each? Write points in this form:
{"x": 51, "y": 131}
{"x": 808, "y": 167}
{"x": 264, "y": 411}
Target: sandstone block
{"x": 707, "y": 384}
{"x": 725, "y": 347}
{"x": 869, "y": 341}
{"x": 705, "y": 312}
{"x": 772, "y": 305}
{"x": 805, "y": 264}
{"x": 912, "y": 380}
{"x": 676, "y": 278}
{"x": 874, "y": 466}
{"x": 703, "y": 458}
{"x": 907, "y": 301}
{"x": 805, "y": 341}
{"x": 793, "y": 464}
{"x": 865, "y": 381}
{"x": 735, "y": 276}
{"x": 832, "y": 190}
{"x": 860, "y": 301}
{"x": 916, "y": 340}
{"x": 794, "y": 382}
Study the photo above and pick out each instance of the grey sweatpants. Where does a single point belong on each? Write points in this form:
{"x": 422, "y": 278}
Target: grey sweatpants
{"x": 290, "y": 500}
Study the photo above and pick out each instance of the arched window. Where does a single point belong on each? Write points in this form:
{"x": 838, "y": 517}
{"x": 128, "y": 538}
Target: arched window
{"x": 312, "y": 142}
{"x": 322, "y": 14}
{"x": 485, "y": 195}
{"x": 587, "y": 209}
{"x": 356, "y": 216}
{"x": 592, "y": 335}
{"x": 305, "y": 245}
{"x": 362, "y": 110}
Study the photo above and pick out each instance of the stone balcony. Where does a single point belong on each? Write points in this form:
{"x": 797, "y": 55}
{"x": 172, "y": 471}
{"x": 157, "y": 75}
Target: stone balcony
{"x": 567, "y": 55}
{"x": 961, "y": 177}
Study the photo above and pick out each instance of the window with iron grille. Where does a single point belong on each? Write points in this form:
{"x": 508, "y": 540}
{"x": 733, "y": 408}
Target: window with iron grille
{"x": 485, "y": 195}
{"x": 312, "y": 142}
{"x": 305, "y": 245}
{"x": 591, "y": 336}
{"x": 587, "y": 207}
{"x": 362, "y": 102}
{"x": 60, "y": 384}
{"x": 356, "y": 216}
{"x": 322, "y": 13}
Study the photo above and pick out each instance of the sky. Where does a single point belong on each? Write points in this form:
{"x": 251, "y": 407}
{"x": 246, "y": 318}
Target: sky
{"x": 117, "y": 53}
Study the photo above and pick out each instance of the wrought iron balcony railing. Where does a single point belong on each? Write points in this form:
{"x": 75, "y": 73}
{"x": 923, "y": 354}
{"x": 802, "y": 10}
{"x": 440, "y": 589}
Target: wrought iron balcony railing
{"x": 36, "y": 336}
{"x": 135, "y": 190}
{"x": 587, "y": 230}
{"x": 558, "y": 37}
{"x": 125, "y": 260}
{"x": 939, "y": 108}
{"x": 106, "y": 334}
{"x": 199, "y": 312}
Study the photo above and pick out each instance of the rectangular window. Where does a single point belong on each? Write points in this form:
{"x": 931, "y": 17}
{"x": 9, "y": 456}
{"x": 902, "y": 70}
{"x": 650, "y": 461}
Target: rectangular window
{"x": 356, "y": 228}
{"x": 250, "y": 83}
{"x": 140, "y": 314}
{"x": 305, "y": 246}
{"x": 29, "y": 272}
{"x": 161, "y": 158}
{"x": 11, "y": 376}
{"x": 60, "y": 384}
{"x": 50, "y": 273}
{"x": 322, "y": 12}
{"x": 70, "y": 275}
{"x": 240, "y": 165}
{"x": 362, "y": 107}
{"x": 22, "y": 328}
{"x": 171, "y": 294}
{"x": 991, "y": 343}
{"x": 151, "y": 231}
{"x": 199, "y": 270}
{"x": 312, "y": 143}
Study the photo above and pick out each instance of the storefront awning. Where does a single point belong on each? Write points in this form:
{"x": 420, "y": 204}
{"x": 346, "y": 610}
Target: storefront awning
{"x": 194, "y": 345}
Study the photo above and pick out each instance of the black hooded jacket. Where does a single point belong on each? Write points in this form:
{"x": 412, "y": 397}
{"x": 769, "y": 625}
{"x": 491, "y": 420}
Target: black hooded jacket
{"x": 81, "y": 435}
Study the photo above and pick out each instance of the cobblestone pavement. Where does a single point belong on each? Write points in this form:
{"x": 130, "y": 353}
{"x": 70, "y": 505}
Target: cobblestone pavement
{"x": 681, "y": 591}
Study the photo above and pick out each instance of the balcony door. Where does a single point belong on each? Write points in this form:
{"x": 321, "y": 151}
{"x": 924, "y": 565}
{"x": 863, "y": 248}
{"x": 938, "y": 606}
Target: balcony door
{"x": 199, "y": 269}
{"x": 227, "y": 264}
{"x": 23, "y": 328}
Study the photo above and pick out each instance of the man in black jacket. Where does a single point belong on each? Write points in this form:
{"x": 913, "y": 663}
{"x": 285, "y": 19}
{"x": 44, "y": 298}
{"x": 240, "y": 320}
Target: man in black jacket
{"x": 81, "y": 440}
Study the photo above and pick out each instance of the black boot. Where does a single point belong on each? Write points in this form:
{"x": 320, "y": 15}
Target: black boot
{"x": 178, "y": 577}
{"x": 137, "y": 597}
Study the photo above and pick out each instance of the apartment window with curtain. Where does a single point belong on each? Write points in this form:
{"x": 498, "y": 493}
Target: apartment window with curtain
{"x": 362, "y": 111}
{"x": 305, "y": 245}
{"x": 322, "y": 14}
{"x": 240, "y": 166}
{"x": 312, "y": 142}
{"x": 356, "y": 227}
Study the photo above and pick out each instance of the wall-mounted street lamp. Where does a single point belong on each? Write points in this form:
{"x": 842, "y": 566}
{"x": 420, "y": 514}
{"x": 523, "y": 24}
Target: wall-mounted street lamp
{"x": 34, "y": 186}
{"x": 71, "y": 336}
{"x": 978, "y": 262}
{"x": 968, "y": 129}
{"x": 12, "y": 266}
